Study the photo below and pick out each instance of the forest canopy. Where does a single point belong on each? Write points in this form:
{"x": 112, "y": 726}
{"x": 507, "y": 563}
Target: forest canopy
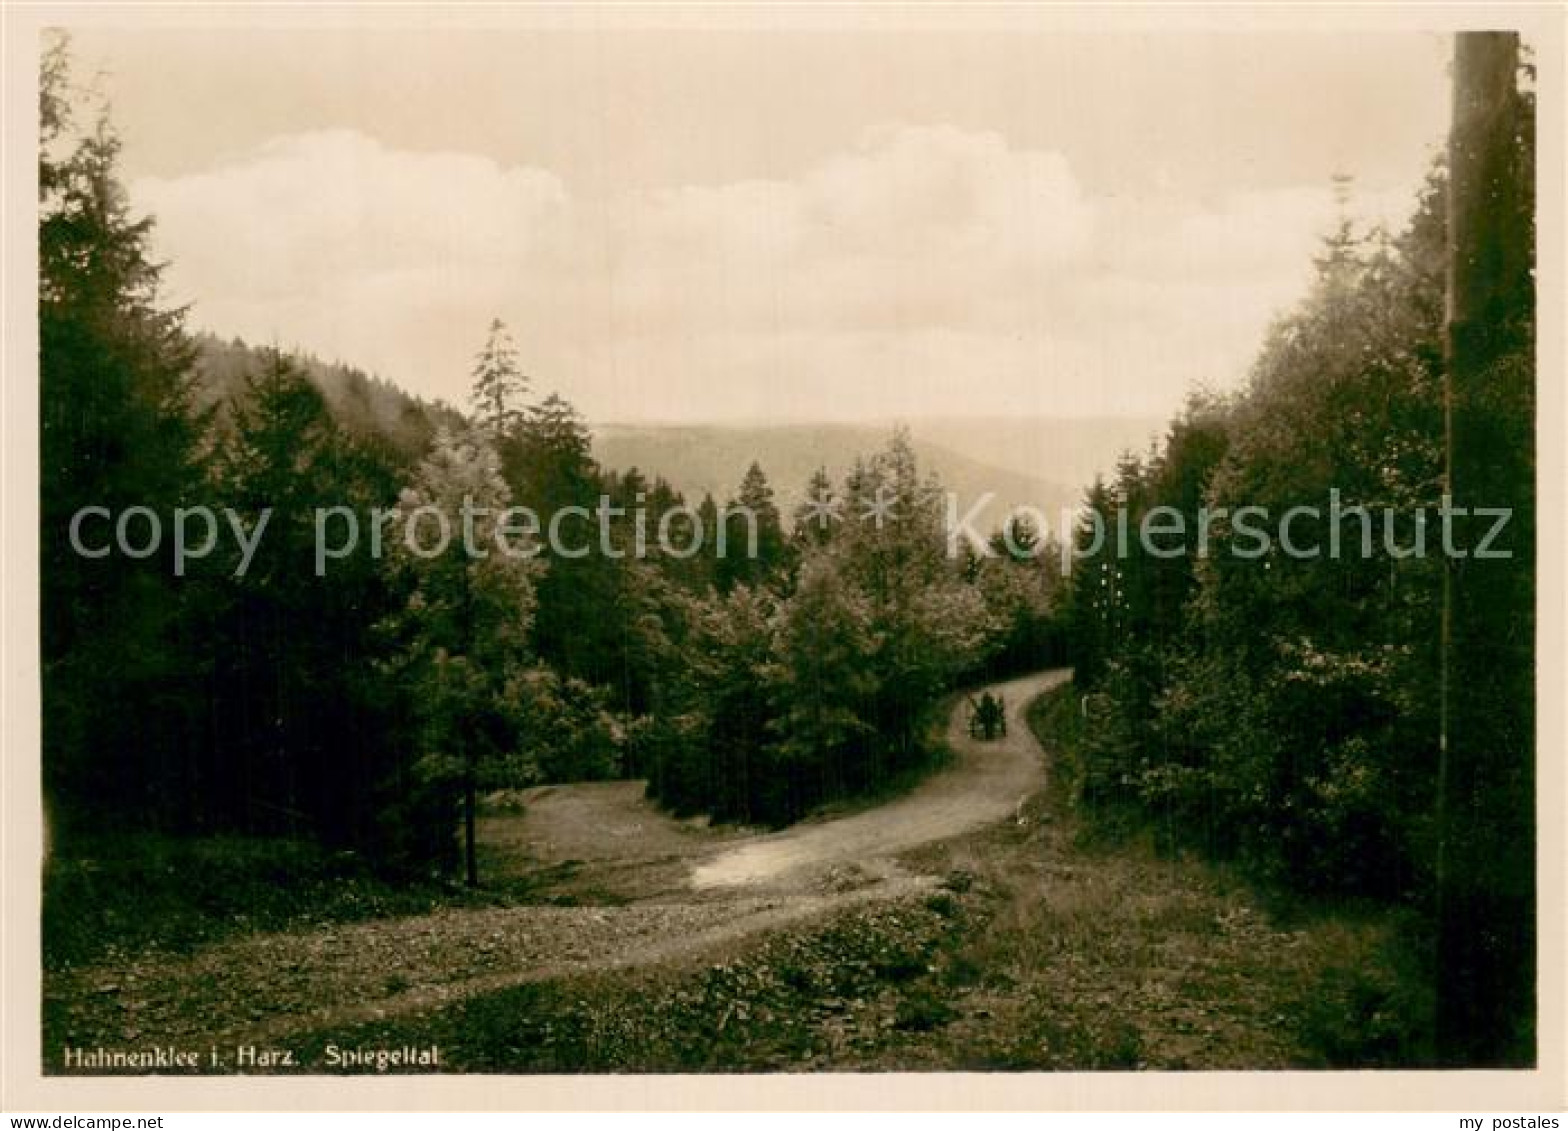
{"x": 1356, "y": 726}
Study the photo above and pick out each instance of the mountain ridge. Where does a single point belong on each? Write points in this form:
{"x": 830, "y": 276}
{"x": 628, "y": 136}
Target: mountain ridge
{"x": 700, "y": 459}
{"x": 1040, "y": 462}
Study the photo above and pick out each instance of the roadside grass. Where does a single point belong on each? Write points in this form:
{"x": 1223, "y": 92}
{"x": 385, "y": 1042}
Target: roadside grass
{"x": 1048, "y": 946}
{"x": 817, "y": 999}
{"x": 1051, "y": 943}
{"x": 1115, "y": 958}
{"x": 1206, "y": 953}
{"x": 1088, "y": 965}
{"x": 1100, "y": 951}
{"x": 129, "y": 893}
{"x": 116, "y": 894}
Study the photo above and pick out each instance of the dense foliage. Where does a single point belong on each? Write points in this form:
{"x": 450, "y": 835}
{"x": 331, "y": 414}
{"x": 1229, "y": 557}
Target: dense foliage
{"x": 1286, "y": 708}
{"x": 1277, "y": 706}
{"x": 816, "y": 680}
{"x": 1327, "y": 698}
{"x": 365, "y": 697}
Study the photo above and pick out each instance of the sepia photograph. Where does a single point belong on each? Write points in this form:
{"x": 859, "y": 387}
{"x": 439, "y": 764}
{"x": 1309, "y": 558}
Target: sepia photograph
{"x": 785, "y": 542}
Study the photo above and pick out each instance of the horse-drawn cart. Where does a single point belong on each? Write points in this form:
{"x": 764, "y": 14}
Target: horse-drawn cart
{"x": 987, "y": 717}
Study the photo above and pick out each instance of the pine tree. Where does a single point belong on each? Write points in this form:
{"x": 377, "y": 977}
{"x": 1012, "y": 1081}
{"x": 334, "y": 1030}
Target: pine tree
{"x": 465, "y": 627}
{"x": 825, "y": 689}
{"x": 816, "y": 515}
{"x": 931, "y": 624}
{"x": 1017, "y": 539}
{"x": 755, "y": 546}
{"x": 116, "y": 431}
{"x": 294, "y": 741}
{"x": 549, "y": 462}
{"x": 499, "y": 385}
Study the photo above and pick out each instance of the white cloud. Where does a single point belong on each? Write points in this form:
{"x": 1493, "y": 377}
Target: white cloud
{"x": 314, "y": 206}
{"x": 930, "y": 270}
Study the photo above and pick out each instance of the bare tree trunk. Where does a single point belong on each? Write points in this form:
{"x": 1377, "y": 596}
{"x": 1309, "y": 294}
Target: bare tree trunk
{"x": 1485, "y": 813}
{"x": 470, "y": 803}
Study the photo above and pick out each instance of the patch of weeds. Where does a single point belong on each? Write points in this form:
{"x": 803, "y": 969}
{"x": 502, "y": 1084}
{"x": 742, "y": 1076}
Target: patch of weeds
{"x": 1119, "y": 1046}
{"x": 959, "y": 880}
{"x": 134, "y": 892}
{"x": 796, "y": 977}
{"x": 943, "y": 904}
{"x": 900, "y": 966}
{"x": 1063, "y": 1040}
{"x": 962, "y": 970}
{"x": 921, "y": 1012}
{"x": 1367, "y": 1015}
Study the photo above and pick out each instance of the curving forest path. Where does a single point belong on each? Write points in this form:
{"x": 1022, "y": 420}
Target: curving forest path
{"x": 671, "y": 890}
{"x": 987, "y": 782}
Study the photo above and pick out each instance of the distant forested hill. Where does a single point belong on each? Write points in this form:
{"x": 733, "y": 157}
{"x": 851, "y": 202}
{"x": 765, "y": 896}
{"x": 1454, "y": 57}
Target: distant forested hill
{"x": 1055, "y": 449}
{"x": 362, "y": 404}
{"x": 1023, "y": 462}
{"x": 712, "y": 458}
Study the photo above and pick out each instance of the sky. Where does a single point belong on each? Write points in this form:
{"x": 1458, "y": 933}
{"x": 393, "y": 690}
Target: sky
{"x": 725, "y": 225}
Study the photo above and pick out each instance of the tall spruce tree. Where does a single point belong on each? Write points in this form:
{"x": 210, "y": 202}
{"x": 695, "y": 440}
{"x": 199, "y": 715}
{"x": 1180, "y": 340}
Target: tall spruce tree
{"x": 755, "y": 546}
{"x": 499, "y": 385}
{"x": 464, "y": 631}
{"x": 116, "y": 432}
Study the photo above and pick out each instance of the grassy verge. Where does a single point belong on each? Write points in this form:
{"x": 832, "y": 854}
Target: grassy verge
{"x": 1048, "y": 946}
{"x": 1352, "y": 982}
{"x": 847, "y": 993}
{"x": 136, "y": 892}
{"x": 1058, "y": 725}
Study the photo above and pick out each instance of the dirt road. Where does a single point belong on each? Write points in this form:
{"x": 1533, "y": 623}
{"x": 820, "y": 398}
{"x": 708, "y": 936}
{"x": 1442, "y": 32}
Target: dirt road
{"x": 648, "y": 889}
{"x": 987, "y": 783}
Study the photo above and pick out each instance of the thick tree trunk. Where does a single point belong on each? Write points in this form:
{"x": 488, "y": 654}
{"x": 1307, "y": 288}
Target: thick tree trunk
{"x": 1486, "y": 831}
{"x": 470, "y": 804}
